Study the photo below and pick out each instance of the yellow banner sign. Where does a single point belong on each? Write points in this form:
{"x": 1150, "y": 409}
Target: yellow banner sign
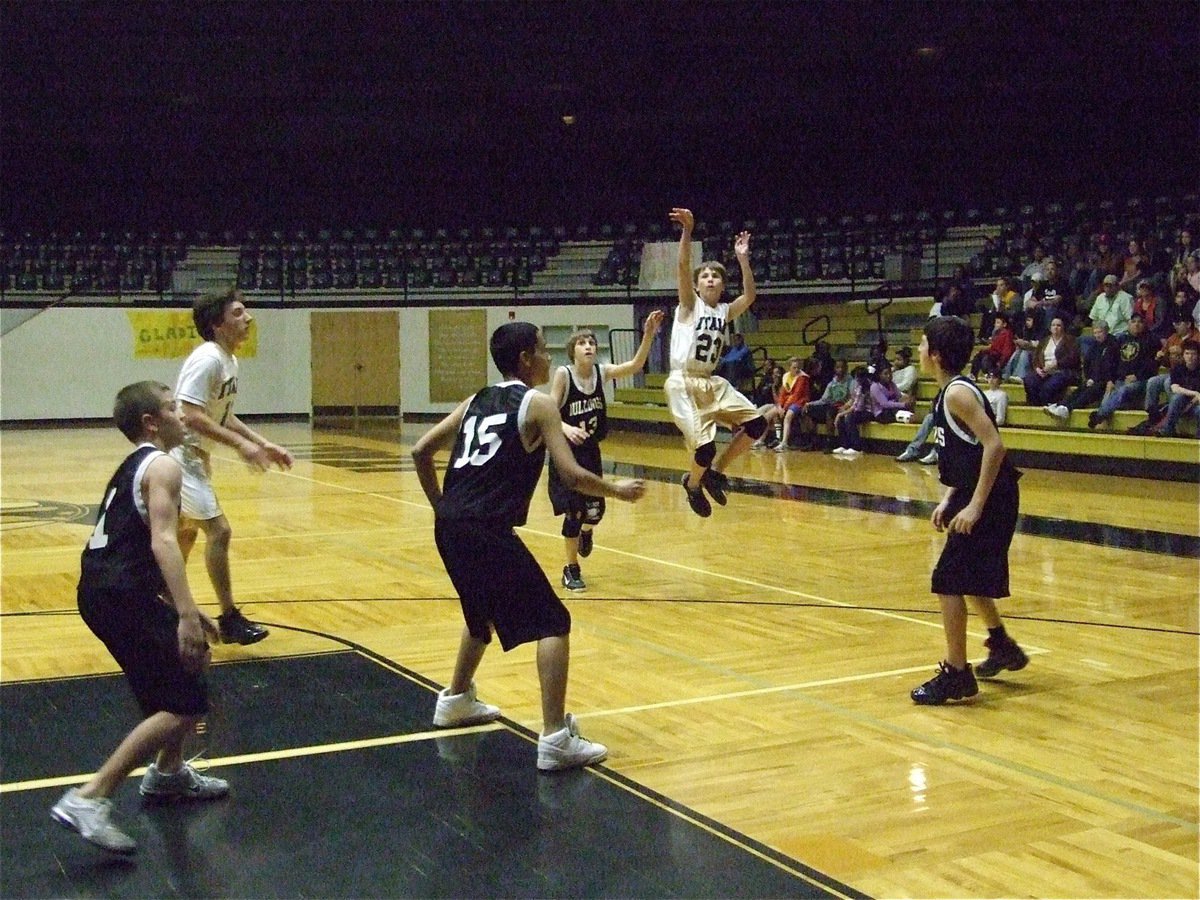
{"x": 171, "y": 334}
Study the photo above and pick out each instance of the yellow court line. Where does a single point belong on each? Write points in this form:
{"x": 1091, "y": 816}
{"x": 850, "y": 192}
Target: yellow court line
{"x": 268, "y": 755}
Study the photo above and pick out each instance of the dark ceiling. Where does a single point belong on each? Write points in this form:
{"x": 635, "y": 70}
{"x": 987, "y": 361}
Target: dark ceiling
{"x": 350, "y": 112}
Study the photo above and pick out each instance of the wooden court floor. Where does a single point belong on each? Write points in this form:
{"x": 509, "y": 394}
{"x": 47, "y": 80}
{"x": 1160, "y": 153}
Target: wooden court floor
{"x": 753, "y": 667}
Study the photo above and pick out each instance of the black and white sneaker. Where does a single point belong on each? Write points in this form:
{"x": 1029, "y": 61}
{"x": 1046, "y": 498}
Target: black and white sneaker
{"x": 572, "y": 578}
{"x": 716, "y": 483}
{"x": 696, "y": 500}
{"x": 585, "y": 543}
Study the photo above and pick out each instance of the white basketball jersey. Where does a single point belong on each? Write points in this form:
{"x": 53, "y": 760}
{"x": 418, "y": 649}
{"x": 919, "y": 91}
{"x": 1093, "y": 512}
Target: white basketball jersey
{"x": 208, "y": 378}
{"x": 697, "y": 341}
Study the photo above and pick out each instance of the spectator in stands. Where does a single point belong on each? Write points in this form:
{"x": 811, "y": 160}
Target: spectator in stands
{"x": 823, "y": 410}
{"x": 1003, "y": 299}
{"x": 789, "y": 404}
{"x": 1113, "y": 305}
{"x": 1182, "y": 330}
{"x": 767, "y": 388}
{"x": 1057, "y": 298}
{"x": 955, "y": 302}
{"x": 821, "y": 368}
{"x": 1184, "y": 305}
{"x": 1034, "y": 267}
{"x": 906, "y": 372}
{"x": 1158, "y": 260}
{"x": 1137, "y": 351}
{"x": 1021, "y": 361}
{"x": 1055, "y": 365}
{"x": 1192, "y": 272}
{"x": 1184, "y": 246}
{"x": 1108, "y": 262}
{"x": 1185, "y": 391}
{"x": 999, "y": 351}
{"x": 1158, "y": 389}
{"x": 983, "y": 262}
{"x": 886, "y": 399}
{"x": 1152, "y": 309}
{"x": 966, "y": 284}
{"x": 1078, "y": 269}
{"x": 997, "y": 397}
{"x": 855, "y": 411}
{"x": 1035, "y": 300}
{"x": 1133, "y": 266}
{"x": 736, "y": 366}
{"x": 1099, "y": 374}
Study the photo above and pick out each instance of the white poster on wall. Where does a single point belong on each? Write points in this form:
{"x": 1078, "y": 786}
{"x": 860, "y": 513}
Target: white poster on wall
{"x": 660, "y": 261}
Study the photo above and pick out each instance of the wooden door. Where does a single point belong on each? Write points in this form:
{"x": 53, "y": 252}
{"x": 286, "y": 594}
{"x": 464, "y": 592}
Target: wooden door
{"x": 355, "y": 363}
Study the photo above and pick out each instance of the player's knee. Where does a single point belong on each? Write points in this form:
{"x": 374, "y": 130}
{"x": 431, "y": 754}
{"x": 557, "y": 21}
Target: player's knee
{"x": 756, "y": 427}
{"x": 571, "y": 526}
{"x": 705, "y": 455}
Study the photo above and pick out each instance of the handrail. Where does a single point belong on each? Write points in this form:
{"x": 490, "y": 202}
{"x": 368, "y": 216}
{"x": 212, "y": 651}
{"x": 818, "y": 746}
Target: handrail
{"x": 813, "y": 321}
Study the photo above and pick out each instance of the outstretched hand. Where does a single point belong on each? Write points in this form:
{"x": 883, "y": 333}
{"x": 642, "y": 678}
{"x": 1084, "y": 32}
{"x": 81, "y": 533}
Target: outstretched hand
{"x": 741, "y": 245}
{"x": 653, "y": 322}
{"x": 684, "y": 218}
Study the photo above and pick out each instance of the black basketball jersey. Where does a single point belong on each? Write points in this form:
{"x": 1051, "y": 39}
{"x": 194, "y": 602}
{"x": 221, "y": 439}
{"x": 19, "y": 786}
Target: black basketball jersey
{"x": 960, "y": 454}
{"x": 491, "y": 475}
{"x": 118, "y": 556}
{"x": 586, "y": 409}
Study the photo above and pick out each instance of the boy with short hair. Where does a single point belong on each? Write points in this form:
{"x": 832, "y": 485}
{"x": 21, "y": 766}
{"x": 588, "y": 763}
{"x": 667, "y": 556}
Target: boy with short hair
{"x": 206, "y": 390}
{"x": 578, "y": 391}
{"x": 979, "y": 509}
{"x": 700, "y": 401}
{"x": 500, "y": 439}
{"x": 134, "y": 596}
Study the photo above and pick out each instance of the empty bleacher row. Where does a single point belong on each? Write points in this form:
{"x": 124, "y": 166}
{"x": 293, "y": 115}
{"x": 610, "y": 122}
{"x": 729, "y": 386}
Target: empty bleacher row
{"x": 897, "y": 246}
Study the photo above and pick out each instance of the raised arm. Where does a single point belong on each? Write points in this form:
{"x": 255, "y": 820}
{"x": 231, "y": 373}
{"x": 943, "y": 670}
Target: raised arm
{"x": 624, "y": 370}
{"x": 687, "y": 290}
{"x": 741, "y": 248}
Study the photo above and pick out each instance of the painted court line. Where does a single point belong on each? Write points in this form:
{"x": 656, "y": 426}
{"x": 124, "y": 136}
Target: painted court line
{"x": 268, "y": 755}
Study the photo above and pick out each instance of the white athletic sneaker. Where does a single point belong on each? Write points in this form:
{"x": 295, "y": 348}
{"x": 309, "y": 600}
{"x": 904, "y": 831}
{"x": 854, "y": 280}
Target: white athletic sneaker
{"x": 838, "y": 451}
{"x": 1060, "y": 412}
{"x": 930, "y": 458}
{"x": 90, "y": 816}
{"x": 567, "y": 749}
{"x": 850, "y": 453}
{"x": 462, "y": 709}
{"x": 186, "y": 784}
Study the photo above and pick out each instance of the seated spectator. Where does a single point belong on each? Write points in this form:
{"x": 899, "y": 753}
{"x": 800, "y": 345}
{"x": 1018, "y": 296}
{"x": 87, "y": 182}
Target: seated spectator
{"x": 1152, "y": 309}
{"x": 1026, "y": 341}
{"x": 1158, "y": 390}
{"x": 886, "y": 399}
{"x": 1057, "y": 298}
{"x": 1055, "y": 366}
{"x": 955, "y": 302}
{"x": 917, "y": 444}
{"x": 823, "y": 410}
{"x": 1099, "y": 374}
{"x": 1030, "y": 273}
{"x": 1133, "y": 266}
{"x": 789, "y": 403}
{"x": 996, "y": 396}
{"x": 1185, "y": 391}
{"x": 906, "y": 374}
{"x": 1184, "y": 246}
{"x": 736, "y": 366}
{"x": 999, "y": 351}
{"x": 1113, "y": 305}
{"x": 1192, "y": 272}
{"x": 820, "y": 369}
{"x": 1107, "y": 262}
{"x": 767, "y": 387}
{"x": 1158, "y": 260}
{"x": 1078, "y": 269}
{"x": 855, "y": 411}
{"x": 1002, "y": 300}
{"x": 1138, "y": 364}
{"x": 1184, "y": 305}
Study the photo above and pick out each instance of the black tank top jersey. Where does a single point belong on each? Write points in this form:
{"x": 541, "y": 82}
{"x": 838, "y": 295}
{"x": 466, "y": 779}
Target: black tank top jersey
{"x": 491, "y": 476}
{"x": 118, "y": 556}
{"x": 960, "y": 455}
{"x": 588, "y": 411}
